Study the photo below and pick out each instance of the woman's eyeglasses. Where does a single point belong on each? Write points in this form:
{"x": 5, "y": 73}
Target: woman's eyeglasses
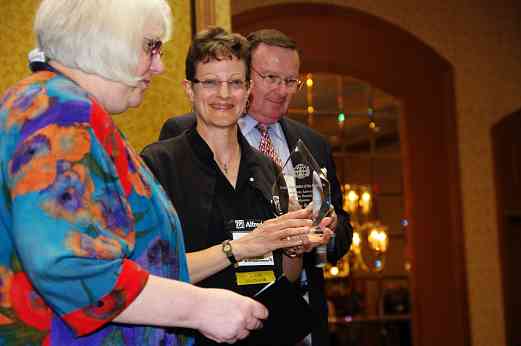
{"x": 153, "y": 47}
{"x": 215, "y": 84}
{"x": 272, "y": 81}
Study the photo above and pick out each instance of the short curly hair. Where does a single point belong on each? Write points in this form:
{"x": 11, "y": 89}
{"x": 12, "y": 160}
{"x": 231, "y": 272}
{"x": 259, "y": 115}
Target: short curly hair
{"x": 216, "y": 44}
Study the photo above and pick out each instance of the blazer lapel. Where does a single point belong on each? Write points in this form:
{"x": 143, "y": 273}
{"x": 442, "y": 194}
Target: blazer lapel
{"x": 290, "y": 132}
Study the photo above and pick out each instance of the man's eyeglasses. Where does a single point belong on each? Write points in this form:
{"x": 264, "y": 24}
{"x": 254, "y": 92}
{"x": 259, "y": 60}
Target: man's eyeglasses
{"x": 153, "y": 47}
{"x": 273, "y": 80}
{"x": 215, "y": 84}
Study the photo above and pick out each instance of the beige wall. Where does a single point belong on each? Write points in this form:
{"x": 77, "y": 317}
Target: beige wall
{"x": 481, "y": 39}
{"x": 212, "y": 13}
{"x": 163, "y": 99}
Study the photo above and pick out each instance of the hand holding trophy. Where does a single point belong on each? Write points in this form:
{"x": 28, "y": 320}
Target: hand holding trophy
{"x": 303, "y": 184}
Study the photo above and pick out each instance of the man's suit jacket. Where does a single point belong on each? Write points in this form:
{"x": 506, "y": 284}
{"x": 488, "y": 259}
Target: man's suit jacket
{"x": 321, "y": 150}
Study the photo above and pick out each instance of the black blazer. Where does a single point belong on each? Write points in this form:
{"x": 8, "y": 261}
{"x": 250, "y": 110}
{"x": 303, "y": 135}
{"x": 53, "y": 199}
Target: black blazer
{"x": 195, "y": 178}
{"x": 321, "y": 150}
{"x": 191, "y": 185}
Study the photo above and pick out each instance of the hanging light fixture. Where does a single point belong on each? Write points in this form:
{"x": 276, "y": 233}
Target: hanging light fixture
{"x": 351, "y": 198}
{"x": 370, "y": 236}
{"x": 357, "y": 198}
{"x": 309, "y": 99}
{"x": 377, "y": 242}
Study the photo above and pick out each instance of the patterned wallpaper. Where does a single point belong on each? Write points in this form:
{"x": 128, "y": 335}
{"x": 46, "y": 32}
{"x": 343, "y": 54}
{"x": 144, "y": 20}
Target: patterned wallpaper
{"x": 164, "y": 98}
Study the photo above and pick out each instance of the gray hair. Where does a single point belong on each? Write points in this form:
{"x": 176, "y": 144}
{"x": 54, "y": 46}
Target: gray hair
{"x": 101, "y": 37}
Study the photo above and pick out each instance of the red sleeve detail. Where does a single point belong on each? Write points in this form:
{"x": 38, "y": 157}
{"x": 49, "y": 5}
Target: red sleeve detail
{"x": 110, "y": 138}
{"x": 131, "y": 281}
{"x": 28, "y": 304}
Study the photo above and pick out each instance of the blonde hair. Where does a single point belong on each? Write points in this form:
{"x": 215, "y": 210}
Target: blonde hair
{"x": 101, "y": 37}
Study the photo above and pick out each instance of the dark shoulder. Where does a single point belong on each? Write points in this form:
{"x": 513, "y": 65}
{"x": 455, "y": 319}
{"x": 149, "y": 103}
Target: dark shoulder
{"x": 176, "y": 125}
{"x": 184, "y": 120}
{"x": 304, "y": 130}
{"x": 163, "y": 149}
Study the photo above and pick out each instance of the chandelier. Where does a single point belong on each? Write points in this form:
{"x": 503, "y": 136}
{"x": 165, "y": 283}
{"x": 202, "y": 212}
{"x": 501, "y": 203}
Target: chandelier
{"x": 370, "y": 236}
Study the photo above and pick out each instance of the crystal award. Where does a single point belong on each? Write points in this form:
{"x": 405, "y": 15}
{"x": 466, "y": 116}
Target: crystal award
{"x": 303, "y": 184}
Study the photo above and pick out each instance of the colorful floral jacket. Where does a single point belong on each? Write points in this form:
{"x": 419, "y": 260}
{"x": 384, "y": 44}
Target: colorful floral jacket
{"x": 82, "y": 222}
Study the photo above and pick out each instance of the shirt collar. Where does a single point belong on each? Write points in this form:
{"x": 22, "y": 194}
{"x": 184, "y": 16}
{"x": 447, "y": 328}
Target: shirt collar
{"x": 247, "y": 124}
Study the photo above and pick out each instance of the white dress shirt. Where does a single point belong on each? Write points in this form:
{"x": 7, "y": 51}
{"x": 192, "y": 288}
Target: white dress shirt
{"x": 248, "y": 126}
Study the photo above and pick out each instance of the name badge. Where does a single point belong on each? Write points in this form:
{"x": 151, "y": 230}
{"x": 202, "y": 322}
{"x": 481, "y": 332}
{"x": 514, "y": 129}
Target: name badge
{"x": 255, "y": 277}
{"x": 243, "y": 227}
{"x": 251, "y": 271}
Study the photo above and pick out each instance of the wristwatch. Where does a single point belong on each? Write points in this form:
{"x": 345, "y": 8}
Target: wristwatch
{"x": 227, "y": 249}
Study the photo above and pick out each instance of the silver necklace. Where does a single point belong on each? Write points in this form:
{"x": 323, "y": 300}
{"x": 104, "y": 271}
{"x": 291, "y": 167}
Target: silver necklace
{"x": 225, "y": 165}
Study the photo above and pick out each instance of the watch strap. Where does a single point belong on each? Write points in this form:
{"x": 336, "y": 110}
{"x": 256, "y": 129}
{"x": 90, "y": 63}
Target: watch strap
{"x": 227, "y": 249}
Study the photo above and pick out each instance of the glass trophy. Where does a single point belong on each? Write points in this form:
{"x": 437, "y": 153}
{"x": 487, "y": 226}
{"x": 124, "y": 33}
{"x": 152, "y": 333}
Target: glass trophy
{"x": 303, "y": 184}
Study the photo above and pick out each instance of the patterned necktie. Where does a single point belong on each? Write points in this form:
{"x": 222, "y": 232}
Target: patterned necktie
{"x": 266, "y": 146}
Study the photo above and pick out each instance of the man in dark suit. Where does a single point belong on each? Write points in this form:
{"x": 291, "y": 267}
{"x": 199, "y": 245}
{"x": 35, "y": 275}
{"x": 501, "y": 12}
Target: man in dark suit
{"x": 275, "y": 72}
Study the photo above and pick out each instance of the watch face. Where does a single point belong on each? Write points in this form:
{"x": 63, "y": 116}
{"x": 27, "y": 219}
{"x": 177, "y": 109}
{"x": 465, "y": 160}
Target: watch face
{"x": 227, "y": 247}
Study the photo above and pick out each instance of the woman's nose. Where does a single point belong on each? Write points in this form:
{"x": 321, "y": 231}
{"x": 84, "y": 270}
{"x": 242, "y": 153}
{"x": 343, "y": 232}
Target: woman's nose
{"x": 224, "y": 89}
{"x": 157, "y": 66}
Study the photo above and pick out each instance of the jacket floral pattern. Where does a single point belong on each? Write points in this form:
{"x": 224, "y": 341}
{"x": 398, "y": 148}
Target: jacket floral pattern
{"x": 82, "y": 222}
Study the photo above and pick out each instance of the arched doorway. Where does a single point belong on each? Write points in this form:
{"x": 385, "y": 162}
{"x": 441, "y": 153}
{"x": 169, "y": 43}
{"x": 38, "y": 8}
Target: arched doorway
{"x": 341, "y": 40}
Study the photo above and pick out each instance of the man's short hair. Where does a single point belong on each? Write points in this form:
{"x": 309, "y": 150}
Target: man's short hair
{"x": 215, "y": 44}
{"x": 104, "y": 38}
{"x": 270, "y": 37}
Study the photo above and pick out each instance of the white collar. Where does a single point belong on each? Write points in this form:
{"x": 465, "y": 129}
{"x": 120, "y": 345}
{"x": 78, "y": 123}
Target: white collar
{"x": 247, "y": 123}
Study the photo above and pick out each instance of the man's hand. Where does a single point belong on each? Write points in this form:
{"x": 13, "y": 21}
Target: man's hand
{"x": 327, "y": 226}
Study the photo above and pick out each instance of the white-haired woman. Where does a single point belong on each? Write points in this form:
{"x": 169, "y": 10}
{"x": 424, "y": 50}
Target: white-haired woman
{"x": 91, "y": 250}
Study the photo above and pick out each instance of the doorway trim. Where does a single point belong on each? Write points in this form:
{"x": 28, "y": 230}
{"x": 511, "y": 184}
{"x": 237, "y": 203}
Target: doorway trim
{"x": 337, "y": 39}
